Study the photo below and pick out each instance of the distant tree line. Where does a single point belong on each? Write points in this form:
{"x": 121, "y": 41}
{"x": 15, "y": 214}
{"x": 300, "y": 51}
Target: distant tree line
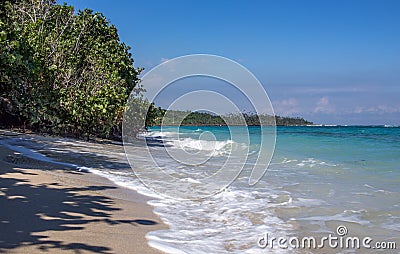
{"x": 62, "y": 72}
{"x": 177, "y": 117}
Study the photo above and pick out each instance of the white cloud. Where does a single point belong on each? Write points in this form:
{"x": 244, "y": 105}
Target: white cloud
{"x": 323, "y": 105}
{"x": 286, "y": 107}
{"x": 379, "y": 109}
{"x": 328, "y": 90}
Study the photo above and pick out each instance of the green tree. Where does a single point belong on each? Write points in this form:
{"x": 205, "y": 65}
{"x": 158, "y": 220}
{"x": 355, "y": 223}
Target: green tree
{"x": 63, "y": 72}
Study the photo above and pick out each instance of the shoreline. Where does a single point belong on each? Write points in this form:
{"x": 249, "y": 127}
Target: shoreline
{"x": 49, "y": 207}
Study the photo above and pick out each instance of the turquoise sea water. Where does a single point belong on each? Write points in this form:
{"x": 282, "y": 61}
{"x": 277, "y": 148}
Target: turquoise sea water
{"x": 319, "y": 178}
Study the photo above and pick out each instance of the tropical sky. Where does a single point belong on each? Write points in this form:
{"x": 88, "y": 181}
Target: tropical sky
{"x": 331, "y": 62}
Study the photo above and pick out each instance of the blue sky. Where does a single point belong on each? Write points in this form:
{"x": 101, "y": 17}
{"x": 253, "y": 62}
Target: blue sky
{"x": 333, "y": 62}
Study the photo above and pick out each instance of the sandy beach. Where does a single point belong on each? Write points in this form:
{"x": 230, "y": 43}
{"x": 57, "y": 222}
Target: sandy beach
{"x": 48, "y": 208}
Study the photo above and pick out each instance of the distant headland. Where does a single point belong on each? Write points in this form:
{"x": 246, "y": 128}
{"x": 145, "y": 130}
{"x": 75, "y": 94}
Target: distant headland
{"x": 189, "y": 118}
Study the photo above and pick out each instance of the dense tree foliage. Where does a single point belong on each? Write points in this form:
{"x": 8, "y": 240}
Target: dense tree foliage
{"x": 176, "y": 117}
{"x": 62, "y": 72}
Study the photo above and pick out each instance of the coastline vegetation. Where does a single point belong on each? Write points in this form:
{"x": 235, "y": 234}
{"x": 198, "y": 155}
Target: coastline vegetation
{"x": 66, "y": 72}
{"x": 62, "y": 72}
{"x": 178, "y": 117}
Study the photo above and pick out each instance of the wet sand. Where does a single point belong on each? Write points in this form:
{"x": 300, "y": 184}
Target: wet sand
{"x": 47, "y": 208}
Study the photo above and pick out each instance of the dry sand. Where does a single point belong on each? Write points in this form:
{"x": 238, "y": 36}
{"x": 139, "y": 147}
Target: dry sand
{"x": 45, "y": 208}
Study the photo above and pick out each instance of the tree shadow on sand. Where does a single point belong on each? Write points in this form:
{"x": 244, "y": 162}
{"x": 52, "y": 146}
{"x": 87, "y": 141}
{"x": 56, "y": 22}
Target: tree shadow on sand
{"x": 27, "y": 211}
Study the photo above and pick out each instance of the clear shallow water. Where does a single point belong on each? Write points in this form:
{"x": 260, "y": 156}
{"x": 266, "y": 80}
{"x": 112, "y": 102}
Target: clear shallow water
{"x": 319, "y": 178}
